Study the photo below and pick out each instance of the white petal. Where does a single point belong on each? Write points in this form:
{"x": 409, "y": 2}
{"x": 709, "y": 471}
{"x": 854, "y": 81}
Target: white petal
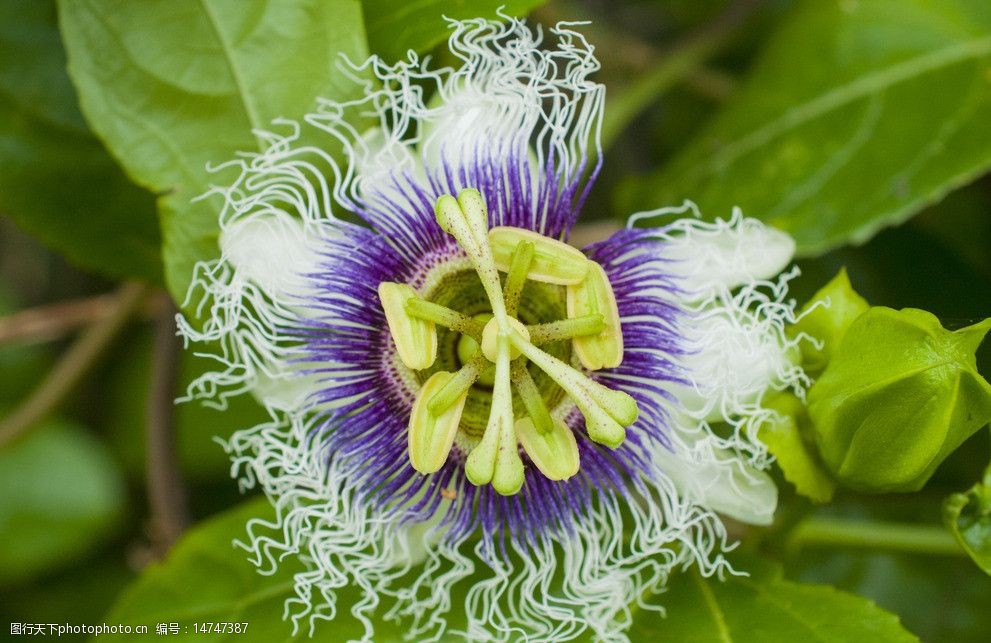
{"x": 273, "y": 250}
{"x": 286, "y": 391}
{"x": 717, "y": 478}
{"x": 710, "y": 257}
{"x": 735, "y": 356}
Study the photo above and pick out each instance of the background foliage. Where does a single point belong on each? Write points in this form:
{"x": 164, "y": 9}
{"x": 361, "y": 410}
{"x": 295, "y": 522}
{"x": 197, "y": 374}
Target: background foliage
{"x": 833, "y": 119}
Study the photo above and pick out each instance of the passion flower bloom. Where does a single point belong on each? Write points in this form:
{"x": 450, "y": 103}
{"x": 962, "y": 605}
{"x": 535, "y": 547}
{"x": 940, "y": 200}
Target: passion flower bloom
{"x": 478, "y": 429}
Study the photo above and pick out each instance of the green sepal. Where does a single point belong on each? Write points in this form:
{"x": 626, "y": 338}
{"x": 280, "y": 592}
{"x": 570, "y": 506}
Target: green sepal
{"x": 826, "y": 318}
{"x": 789, "y": 439}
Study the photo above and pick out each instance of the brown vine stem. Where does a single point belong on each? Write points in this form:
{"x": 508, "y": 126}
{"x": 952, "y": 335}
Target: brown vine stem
{"x": 80, "y": 357}
{"x": 166, "y": 491}
{"x": 54, "y": 321}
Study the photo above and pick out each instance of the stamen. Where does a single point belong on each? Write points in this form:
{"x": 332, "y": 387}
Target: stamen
{"x": 554, "y": 262}
{"x": 444, "y": 316}
{"x": 519, "y": 266}
{"x": 554, "y": 452}
{"x": 415, "y": 339}
{"x": 530, "y": 394}
{"x": 595, "y": 296}
{"x": 431, "y": 435}
{"x": 606, "y": 411}
{"x": 566, "y": 329}
{"x": 457, "y": 385}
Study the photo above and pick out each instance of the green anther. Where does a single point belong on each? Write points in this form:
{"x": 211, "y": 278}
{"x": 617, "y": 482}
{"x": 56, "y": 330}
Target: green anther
{"x": 554, "y": 262}
{"x": 566, "y": 329}
{"x": 457, "y": 386}
{"x": 430, "y": 435}
{"x": 595, "y": 296}
{"x": 554, "y": 452}
{"x": 519, "y": 266}
{"x": 444, "y": 316}
{"x": 415, "y": 339}
{"x": 530, "y": 394}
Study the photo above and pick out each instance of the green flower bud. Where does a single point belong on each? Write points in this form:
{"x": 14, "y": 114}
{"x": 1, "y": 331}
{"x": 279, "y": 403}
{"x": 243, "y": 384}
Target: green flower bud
{"x": 899, "y": 395}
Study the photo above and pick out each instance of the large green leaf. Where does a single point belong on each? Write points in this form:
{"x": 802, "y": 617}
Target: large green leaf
{"x": 173, "y": 85}
{"x": 763, "y": 608}
{"x": 396, "y": 26}
{"x": 56, "y": 180}
{"x": 62, "y": 494}
{"x": 856, "y": 116}
{"x": 205, "y": 580}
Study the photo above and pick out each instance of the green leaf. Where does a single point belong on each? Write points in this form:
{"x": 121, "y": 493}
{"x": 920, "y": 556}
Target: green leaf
{"x": 205, "y": 579}
{"x": 56, "y": 180}
{"x": 900, "y": 394}
{"x": 968, "y": 515}
{"x": 763, "y": 607}
{"x": 791, "y": 441}
{"x": 396, "y": 26}
{"x": 837, "y": 131}
{"x": 826, "y": 318}
{"x": 62, "y": 494}
{"x": 173, "y": 86}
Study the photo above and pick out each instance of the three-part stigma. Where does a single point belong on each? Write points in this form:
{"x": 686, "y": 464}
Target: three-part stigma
{"x": 498, "y": 337}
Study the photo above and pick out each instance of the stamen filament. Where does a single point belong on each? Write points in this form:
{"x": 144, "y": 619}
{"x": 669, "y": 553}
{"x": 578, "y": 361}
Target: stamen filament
{"x": 566, "y": 329}
{"x": 444, "y": 316}
{"x": 457, "y": 386}
{"x": 518, "y": 268}
{"x": 606, "y": 412}
{"x": 530, "y": 394}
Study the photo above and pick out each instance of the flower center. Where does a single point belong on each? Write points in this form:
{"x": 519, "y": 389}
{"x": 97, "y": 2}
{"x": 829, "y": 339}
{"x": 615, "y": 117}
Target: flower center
{"x": 496, "y": 348}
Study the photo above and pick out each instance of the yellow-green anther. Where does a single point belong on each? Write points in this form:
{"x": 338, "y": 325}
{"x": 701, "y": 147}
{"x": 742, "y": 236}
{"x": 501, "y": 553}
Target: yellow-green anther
{"x": 493, "y": 332}
{"x": 530, "y": 394}
{"x": 554, "y": 452}
{"x": 566, "y": 329}
{"x": 495, "y": 459}
{"x": 519, "y": 266}
{"x": 415, "y": 339}
{"x": 592, "y": 296}
{"x": 595, "y": 401}
{"x": 431, "y": 435}
{"x": 466, "y": 219}
{"x": 444, "y": 316}
{"x": 554, "y": 262}
{"x": 457, "y": 385}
